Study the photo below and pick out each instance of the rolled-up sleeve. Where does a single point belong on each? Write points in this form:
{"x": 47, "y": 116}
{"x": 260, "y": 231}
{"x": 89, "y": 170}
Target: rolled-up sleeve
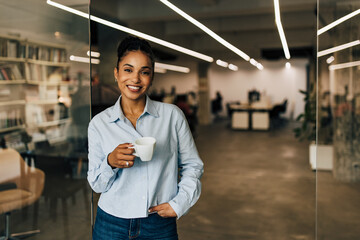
{"x": 191, "y": 169}
{"x": 100, "y": 174}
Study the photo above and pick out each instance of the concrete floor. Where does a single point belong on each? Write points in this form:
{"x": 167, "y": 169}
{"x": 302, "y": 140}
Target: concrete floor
{"x": 256, "y": 185}
{"x": 259, "y": 186}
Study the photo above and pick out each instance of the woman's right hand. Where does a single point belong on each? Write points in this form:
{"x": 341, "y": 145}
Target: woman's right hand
{"x": 122, "y": 156}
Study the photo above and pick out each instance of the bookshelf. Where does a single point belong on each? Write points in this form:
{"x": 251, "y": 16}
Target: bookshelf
{"x": 33, "y": 77}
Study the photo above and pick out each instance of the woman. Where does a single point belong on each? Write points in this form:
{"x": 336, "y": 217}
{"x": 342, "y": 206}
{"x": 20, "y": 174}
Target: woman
{"x": 141, "y": 200}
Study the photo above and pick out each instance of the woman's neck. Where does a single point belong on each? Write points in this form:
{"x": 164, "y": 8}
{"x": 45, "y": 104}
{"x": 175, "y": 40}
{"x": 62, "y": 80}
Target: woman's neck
{"x": 133, "y": 108}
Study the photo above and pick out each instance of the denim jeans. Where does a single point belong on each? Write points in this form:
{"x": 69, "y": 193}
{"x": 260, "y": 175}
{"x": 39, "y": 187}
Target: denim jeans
{"x": 108, "y": 227}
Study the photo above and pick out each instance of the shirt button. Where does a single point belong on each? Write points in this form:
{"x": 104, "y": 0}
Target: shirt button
{"x": 143, "y": 197}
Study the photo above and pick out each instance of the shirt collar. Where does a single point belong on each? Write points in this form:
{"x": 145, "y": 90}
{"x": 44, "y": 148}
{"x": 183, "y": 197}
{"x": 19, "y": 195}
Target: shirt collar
{"x": 117, "y": 113}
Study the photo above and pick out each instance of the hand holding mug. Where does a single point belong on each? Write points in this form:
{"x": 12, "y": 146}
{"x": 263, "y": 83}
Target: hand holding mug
{"x": 122, "y": 156}
{"x": 144, "y": 148}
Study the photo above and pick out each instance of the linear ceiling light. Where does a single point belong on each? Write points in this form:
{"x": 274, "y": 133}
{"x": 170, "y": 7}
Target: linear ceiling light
{"x": 160, "y": 70}
{"x": 84, "y": 59}
{"x": 222, "y": 63}
{"x": 330, "y": 60}
{"x": 207, "y": 30}
{"x": 133, "y": 32}
{"x": 338, "y": 48}
{"x": 280, "y": 29}
{"x": 344, "y": 65}
{"x": 233, "y": 67}
{"x": 172, "y": 67}
{"x": 256, "y": 64}
{"x": 93, "y": 54}
{"x": 337, "y": 22}
{"x": 260, "y": 66}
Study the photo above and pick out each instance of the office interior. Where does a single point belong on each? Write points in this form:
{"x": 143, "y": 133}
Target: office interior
{"x": 279, "y": 137}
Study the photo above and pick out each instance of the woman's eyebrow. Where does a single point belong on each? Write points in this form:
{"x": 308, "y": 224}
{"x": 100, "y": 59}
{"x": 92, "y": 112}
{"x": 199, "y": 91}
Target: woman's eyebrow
{"x": 126, "y": 64}
{"x": 146, "y": 67}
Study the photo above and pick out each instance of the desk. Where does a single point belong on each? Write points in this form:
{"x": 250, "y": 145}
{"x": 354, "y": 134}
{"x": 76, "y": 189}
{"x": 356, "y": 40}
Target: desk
{"x": 250, "y": 117}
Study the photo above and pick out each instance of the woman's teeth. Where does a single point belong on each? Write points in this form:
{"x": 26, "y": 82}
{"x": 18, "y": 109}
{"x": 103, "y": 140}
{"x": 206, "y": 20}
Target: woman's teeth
{"x": 134, "y": 88}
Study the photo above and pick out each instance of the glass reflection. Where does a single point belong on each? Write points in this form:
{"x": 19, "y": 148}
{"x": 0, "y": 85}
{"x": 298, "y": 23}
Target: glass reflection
{"x": 338, "y": 183}
{"x": 44, "y": 113}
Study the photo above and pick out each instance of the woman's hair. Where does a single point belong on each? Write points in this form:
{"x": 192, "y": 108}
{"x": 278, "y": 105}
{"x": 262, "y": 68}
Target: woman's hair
{"x": 131, "y": 43}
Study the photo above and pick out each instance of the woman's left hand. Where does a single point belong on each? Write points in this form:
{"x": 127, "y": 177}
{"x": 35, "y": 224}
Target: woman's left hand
{"x": 164, "y": 210}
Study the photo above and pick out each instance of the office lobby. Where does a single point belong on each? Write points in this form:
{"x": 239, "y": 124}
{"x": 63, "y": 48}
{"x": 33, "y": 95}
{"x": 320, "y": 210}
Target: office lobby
{"x": 277, "y": 131}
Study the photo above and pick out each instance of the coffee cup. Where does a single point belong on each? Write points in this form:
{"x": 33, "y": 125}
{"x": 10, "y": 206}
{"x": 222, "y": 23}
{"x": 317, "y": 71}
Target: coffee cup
{"x": 144, "y": 148}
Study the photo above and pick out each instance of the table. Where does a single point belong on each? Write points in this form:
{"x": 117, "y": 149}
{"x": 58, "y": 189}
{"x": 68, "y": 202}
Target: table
{"x": 250, "y": 117}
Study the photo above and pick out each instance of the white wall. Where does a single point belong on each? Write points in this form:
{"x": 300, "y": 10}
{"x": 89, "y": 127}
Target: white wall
{"x": 277, "y": 82}
{"x": 183, "y": 82}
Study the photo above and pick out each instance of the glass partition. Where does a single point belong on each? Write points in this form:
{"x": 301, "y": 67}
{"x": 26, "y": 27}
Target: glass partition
{"x": 338, "y": 95}
{"x": 44, "y": 114}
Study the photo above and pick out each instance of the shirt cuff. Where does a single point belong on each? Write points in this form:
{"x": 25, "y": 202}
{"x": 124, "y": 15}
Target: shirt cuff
{"x": 180, "y": 208}
{"x": 107, "y": 170}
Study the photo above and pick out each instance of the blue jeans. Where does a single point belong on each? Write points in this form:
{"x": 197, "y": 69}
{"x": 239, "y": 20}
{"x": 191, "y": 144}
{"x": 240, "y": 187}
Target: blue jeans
{"x": 108, "y": 227}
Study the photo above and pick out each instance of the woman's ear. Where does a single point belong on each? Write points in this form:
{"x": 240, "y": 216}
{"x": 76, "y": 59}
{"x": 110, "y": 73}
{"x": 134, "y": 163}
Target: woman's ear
{"x": 115, "y": 74}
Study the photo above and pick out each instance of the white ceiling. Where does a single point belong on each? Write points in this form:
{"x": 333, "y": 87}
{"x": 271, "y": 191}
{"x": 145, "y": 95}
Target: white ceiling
{"x": 247, "y": 24}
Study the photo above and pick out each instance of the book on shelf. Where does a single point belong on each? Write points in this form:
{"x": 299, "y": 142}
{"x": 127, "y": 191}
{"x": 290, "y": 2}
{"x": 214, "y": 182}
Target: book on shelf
{"x": 11, "y": 118}
{"x": 12, "y": 47}
{"x": 21, "y": 50}
{"x": 44, "y": 53}
{"x": 3, "y": 47}
{"x": 10, "y": 72}
{"x": 35, "y": 114}
{"x": 34, "y": 72}
{"x": 4, "y": 74}
{"x": 16, "y": 71}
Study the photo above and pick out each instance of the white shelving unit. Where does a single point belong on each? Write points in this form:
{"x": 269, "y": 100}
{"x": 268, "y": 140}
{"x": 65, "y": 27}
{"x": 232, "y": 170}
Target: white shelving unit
{"x": 32, "y": 74}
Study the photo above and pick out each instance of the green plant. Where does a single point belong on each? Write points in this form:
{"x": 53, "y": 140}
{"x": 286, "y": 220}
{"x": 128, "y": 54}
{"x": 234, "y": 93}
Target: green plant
{"x": 308, "y": 117}
{"x": 308, "y": 128}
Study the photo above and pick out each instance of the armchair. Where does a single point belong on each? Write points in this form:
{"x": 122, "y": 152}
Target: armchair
{"x": 26, "y": 185}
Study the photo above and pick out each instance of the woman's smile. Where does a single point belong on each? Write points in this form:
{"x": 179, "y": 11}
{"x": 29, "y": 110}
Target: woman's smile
{"x": 134, "y": 76}
{"x": 134, "y": 88}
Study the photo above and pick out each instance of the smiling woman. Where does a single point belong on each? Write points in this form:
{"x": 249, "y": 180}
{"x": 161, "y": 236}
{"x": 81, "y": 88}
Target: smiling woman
{"x": 141, "y": 199}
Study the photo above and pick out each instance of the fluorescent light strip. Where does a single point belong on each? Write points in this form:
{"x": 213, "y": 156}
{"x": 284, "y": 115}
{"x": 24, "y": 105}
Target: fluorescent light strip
{"x": 260, "y": 66}
{"x": 338, "y": 48}
{"x": 93, "y": 54}
{"x": 233, "y": 67}
{"x": 222, "y": 63}
{"x": 160, "y": 70}
{"x": 337, "y": 22}
{"x": 207, "y": 30}
{"x": 133, "y": 32}
{"x": 68, "y": 9}
{"x": 330, "y": 60}
{"x": 344, "y": 65}
{"x": 84, "y": 59}
{"x": 172, "y": 67}
{"x": 253, "y": 62}
{"x": 280, "y": 29}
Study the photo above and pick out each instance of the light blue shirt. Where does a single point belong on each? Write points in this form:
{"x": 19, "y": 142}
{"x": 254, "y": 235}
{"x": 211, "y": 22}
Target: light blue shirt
{"x": 130, "y": 192}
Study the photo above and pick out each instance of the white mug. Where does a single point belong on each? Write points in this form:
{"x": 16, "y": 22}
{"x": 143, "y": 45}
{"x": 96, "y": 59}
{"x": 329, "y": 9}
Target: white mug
{"x": 144, "y": 148}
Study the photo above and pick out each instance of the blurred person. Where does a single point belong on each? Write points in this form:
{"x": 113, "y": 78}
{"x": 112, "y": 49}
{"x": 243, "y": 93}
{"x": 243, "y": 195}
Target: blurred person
{"x": 171, "y": 97}
{"x": 216, "y": 105}
{"x": 141, "y": 200}
{"x": 193, "y": 103}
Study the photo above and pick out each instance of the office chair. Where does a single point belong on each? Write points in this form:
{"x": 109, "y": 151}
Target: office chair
{"x": 278, "y": 109}
{"x": 21, "y": 186}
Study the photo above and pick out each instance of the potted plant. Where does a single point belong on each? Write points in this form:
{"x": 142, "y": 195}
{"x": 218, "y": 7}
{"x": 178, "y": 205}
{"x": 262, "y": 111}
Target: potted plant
{"x": 320, "y": 155}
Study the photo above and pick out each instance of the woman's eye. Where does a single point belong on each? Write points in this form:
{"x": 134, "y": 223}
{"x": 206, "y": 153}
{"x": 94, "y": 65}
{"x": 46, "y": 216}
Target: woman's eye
{"x": 127, "y": 70}
{"x": 146, "y": 73}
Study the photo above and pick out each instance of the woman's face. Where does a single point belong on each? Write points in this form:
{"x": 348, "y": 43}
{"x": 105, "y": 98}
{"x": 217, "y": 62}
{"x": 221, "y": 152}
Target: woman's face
{"x": 134, "y": 75}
